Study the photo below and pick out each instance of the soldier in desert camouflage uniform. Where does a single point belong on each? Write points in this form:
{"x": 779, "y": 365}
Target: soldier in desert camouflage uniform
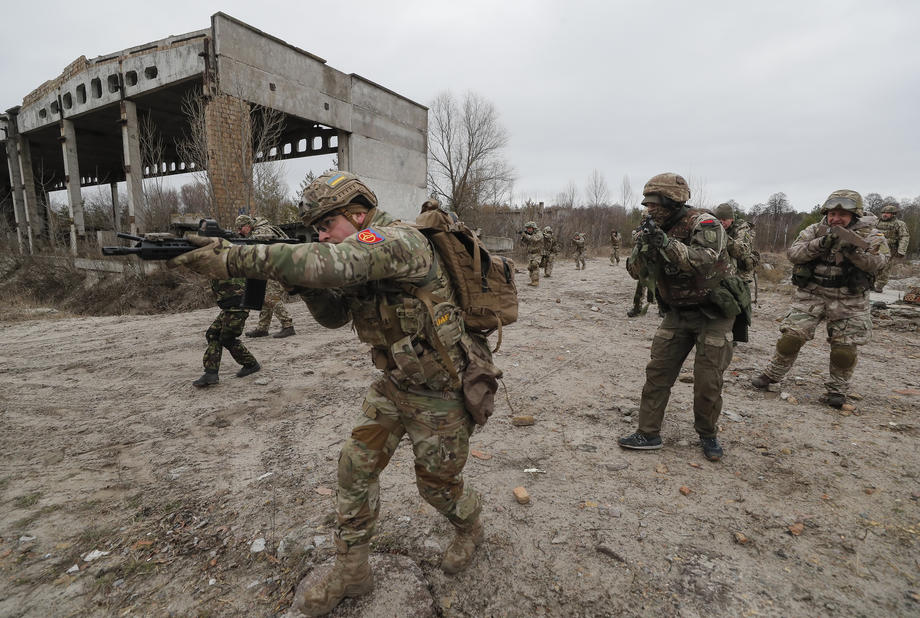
{"x": 687, "y": 254}
{"x": 225, "y": 331}
{"x": 260, "y": 228}
{"x": 532, "y": 240}
{"x": 833, "y": 277}
{"x": 579, "y": 242}
{"x": 898, "y": 238}
{"x": 361, "y": 272}
{"x": 550, "y": 249}
{"x": 615, "y": 246}
{"x": 740, "y": 243}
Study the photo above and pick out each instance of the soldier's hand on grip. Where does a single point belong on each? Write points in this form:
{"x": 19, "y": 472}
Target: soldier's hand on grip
{"x": 657, "y": 239}
{"x": 210, "y": 259}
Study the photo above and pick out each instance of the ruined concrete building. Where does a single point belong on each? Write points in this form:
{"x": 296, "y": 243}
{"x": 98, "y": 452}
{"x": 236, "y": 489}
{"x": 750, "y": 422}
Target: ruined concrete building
{"x": 84, "y": 127}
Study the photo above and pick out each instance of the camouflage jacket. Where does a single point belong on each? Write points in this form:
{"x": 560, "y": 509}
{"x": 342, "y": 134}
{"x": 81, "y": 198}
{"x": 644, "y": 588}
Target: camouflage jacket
{"x": 615, "y": 238}
{"x": 262, "y": 229}
{"x": 694, "y": 261}
{"x": 228, "y": 292}
{"x": 827, "y": 270}
{"x": 740, "y": 246}
{"x": 896, "y": 233}
{"x": 533, "y": 243}
{"x": 550, "y": 244}
{"x": 578, "y": 241}
{"x": 364, "y": 280}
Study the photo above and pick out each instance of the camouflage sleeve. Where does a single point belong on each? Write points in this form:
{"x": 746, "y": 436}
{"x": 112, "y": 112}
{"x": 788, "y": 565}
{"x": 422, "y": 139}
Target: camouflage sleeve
{"x": 706, "y": 244}
{"x": 806, "y": 246}
{"x": 327, "y": 307}
{"x": 742, "y": 244}
{"x": 903, "y": 238}
{"x": 875, "y": 258}
{"x": 391, "y": 252}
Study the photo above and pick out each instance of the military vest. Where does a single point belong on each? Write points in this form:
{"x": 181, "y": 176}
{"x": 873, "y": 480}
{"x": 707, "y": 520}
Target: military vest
{"x": 891, "y": 230}
{"x": 680, "y": 288}
{"x": 826, "y": 272}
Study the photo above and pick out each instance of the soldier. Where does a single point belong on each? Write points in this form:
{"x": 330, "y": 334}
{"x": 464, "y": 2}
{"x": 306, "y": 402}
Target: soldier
{"x": 687, "y": 254}
{"x": 431, "y": 203}
{"x": 833, "y": 276}
{"x": 550, "y": 249}
{"x": 363, "y": 271}
{"x": 740, "y": 243}
{"x": 579, "y": 241}
{"x": 250, "y": 227}
{"x": 615, "y": 246}
{"x": 898, "y": 237}
{"x": 225, "y": 331}
{"x": 638, "y": 308}
{"x": 532, "y": 240}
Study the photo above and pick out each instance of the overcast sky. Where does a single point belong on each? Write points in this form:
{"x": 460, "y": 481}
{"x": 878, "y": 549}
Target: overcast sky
{"x": 746, "y": 98}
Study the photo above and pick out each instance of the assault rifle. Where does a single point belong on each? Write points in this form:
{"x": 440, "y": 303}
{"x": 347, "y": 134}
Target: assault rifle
{"x": 158, "y": 246}
{"x": 844, "y": 237}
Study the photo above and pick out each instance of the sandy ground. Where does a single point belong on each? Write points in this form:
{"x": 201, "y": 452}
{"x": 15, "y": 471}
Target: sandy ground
{"x": 107, "y": 446}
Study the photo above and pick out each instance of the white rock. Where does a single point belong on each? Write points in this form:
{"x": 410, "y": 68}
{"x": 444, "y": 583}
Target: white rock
{"x": 318, "y": 541}
{"x": 94, "y": 554}
{"x": 26, "y": 538}
{"x": 212, "y": 581}
{"x": 263, "y": 381}
{"x": 73, "y": 569}
{"x": 257, "y": 546}
{"x": 784, "y": 395}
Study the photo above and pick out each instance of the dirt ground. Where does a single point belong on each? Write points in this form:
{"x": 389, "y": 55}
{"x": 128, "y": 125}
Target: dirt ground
{"x": 216, "y": 502}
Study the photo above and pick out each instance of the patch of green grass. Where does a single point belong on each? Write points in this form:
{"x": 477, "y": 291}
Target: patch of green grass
{"x": 28, "y": 520}
{"x": 93, "y": 535}
{"x": 26, "y": 500}
{"x": 134, "y": 501}
{"x": 137, "y": 567}
{"x": 4, "y": 482}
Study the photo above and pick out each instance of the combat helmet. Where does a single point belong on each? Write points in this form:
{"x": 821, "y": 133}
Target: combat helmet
{"x": 670, "y": 185}
{"x": 845, "y": 199}
{"x": 892, "y": 208}
{"x": 724, "y": 211}
{"x": 532, "y": 224}
{"x": 243, "y": 220}
{"x": 333, "y": 191}
{"x": 547, "y": 230}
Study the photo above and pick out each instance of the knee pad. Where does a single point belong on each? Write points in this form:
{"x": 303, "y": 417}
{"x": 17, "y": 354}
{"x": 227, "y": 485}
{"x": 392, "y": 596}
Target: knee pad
{"x": 843, "y": 356}
{"x": 789, "y": 344}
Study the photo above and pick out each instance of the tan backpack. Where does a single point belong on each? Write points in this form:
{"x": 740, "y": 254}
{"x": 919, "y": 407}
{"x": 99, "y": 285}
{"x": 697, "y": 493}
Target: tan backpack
{"x": 484, "y": 283}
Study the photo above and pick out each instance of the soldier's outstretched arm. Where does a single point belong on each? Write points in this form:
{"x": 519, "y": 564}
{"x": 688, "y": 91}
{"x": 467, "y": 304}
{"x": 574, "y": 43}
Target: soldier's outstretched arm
{"x": 327, "y": 307}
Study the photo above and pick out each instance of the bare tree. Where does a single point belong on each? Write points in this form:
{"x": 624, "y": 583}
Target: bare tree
{"x": 160, "y": 202}
{"x": 466, "y": 167}
{"x": 568, "y": 197}
{"x": 627, "y": 197}
{"x": 699, "y": 195}
{"x": 596, "y": 192}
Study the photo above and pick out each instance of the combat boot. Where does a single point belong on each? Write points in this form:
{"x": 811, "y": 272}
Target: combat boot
{"x": 257, "y": 332}
{"x": 762, "y": 381}
{"x": 245, "y": 370}
{"x": 286, "y": 331}
{"x": 207, "y": 379}
{"x": 460, "y": 551}
{"x": 350, "y": 576}
{"x": 834, "y": 400}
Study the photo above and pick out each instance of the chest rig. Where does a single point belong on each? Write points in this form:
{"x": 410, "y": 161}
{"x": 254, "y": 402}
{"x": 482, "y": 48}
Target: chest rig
{"x": 679, "y": 288}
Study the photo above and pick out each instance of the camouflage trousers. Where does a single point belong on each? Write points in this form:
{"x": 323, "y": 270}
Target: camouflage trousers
{"x": 849, "y": 324}
{"x": 273, "y": 304}
{"x": 641, "y": 291}
{"x": 546, "y": 263}
{"x": 678, "y": 333}
{"x": 580, "y": 259}
{"x": 223, "y": 333}
{"x": 615, "y": 255}
{"x": 533, "y": 266}
{"x": 439, "y": 430}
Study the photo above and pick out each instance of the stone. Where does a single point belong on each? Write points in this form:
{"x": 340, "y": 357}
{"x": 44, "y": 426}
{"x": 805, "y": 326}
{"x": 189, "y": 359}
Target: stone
{"x": 607, "y": 550}
{"x": 685, "y": 490}
{"x": 257, "y": 546}
{"x": 615, "y": 466}
{"x": 686, "y": 378}
{"x": 796, "y": 529}
{"x": 522, "y": 421}
{"x": 740, "y": 538}
{"x": 521, "y": 495}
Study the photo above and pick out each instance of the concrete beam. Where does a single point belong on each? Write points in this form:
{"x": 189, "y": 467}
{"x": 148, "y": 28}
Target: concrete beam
{"x": 30, "y": 198}
{"x": 72, "y": 182}
{"x": 116, "y": 215}
{"x": 12, "y": 161}
{"x": 134, "y": 166}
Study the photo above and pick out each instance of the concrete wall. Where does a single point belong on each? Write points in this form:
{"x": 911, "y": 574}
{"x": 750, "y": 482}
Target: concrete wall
{"x": 387, "y": 133}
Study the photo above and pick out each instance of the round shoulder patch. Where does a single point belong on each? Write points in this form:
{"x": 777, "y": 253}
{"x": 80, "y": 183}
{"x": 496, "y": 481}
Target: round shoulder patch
{"x": 369, "y": 236}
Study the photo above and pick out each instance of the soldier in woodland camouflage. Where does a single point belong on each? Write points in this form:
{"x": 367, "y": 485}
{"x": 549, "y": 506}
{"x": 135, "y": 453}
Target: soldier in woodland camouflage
{"x": 687, "y": 252}
{"x": 614, "y": 246}
{"x": 225, "y": 332}
{"x": 833, "y": 277}
{"x": 579, "y": 242}
{"x": 362, "y": 272}
{"x": 740, "y": 236}
{"x": 897, "y": 236}
{"x": 532, "y": 239}
{"x": 260, "y": 228}
{"x": 550, "y": 249}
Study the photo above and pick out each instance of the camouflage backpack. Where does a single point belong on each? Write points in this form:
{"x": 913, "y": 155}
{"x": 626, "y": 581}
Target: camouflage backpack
{"x": 484, "y": 283}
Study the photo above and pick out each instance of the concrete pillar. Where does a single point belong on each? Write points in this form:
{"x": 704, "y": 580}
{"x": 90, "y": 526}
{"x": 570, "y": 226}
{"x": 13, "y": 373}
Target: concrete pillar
{"x": 16, "y": 189}
{"x": 72, "y": 182}
{"x": 116, "y": 224}
{"x": 229, "y": 139}
{"x": 134, "y": 166}
{"x": 30, "y": 198}
{"x": 344, "y": 151}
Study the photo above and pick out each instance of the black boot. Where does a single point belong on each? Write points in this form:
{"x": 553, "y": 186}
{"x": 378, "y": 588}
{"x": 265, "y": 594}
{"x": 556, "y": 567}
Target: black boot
{"x": 245, "y": 370}
{"x": 207, "y": 379}
{"x": 286, "y": 331}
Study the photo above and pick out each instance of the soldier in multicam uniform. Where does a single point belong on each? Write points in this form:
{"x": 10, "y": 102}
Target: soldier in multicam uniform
{"x": 225, "y": 332}
{"x": 550, "y": 249}
{"x": 898, "y": 237}
{"x": 362, "y": 271}
{"x": 740, "y": 243}
{"x": 260, "y": 228}
{"x": 532, "y": 240}
{"x": 615, "y": 246}
{"x": 833, "y": 278}
{"x": 687, "y": 253}
{"x": 579, "y": 242}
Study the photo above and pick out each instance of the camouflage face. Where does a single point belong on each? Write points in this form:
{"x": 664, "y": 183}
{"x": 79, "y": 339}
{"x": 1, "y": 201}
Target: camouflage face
{"x": 333, "y": 191}
{"x": 844, "y": 199}
{"x": 672, "y": 186}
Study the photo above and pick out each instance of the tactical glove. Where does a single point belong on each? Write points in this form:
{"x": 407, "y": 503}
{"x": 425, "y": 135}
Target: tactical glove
{"x": 657, "y": 239}
{"x": 210, "y": 259}
{"x": 827, "y": 241}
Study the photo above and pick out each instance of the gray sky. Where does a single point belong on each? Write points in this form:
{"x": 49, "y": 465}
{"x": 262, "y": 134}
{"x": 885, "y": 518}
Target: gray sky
{"x": 744, "y": 99}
